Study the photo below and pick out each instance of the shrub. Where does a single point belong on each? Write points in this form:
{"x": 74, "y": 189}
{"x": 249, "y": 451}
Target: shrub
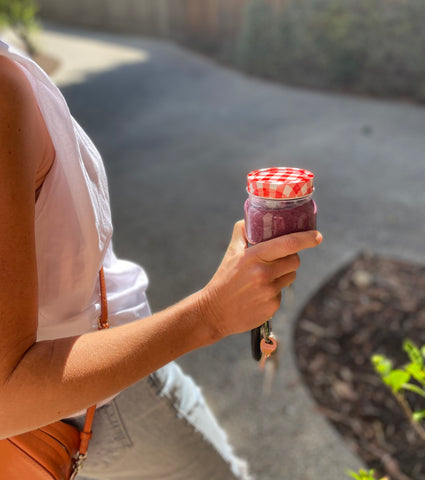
{"x": 365, "y": 46}
{"x": 258, "y": 43}
{"x": 19, "y": 15}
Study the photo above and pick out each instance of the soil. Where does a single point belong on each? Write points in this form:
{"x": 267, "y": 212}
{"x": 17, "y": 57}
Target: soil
{"x": 370, "y": 306}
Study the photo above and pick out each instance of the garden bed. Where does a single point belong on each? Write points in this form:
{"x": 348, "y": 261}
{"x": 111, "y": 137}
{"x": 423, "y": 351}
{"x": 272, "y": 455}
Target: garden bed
{"x": 370, "y": 306}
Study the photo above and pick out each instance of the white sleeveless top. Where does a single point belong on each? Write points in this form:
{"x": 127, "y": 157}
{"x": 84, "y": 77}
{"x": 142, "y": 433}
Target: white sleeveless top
{"x": 73, "y": 227}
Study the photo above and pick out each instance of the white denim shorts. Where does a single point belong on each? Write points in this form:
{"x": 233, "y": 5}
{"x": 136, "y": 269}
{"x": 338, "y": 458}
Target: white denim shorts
{"x": 160, "y": 428}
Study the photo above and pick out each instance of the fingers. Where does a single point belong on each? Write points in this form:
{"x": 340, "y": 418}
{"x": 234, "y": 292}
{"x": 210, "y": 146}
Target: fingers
{"x": 278, "y": 258}
{"x": 285, "y": 281}
{"x": 283, "y": 266}
{"x": 286, "y": 245}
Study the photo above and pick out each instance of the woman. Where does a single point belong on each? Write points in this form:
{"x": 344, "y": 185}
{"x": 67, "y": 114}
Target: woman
{"x": 54, "y": 363}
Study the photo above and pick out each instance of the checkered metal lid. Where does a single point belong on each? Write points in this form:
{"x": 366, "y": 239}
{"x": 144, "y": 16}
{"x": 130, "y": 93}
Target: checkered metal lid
{"x": 280, "y": 182}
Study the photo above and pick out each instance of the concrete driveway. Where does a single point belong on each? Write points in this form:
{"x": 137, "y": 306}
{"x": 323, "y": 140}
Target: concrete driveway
{"x": 178, "y": 134}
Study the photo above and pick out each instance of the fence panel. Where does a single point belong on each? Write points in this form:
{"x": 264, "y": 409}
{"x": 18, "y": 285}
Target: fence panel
{"x": 209, "y": 19}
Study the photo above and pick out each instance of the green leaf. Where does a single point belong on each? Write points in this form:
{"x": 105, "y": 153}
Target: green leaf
{"x": 419, "y": 415}
{"x": 396, "y": 379}
{"x": 354, "y": 475}
{"x": 416, "y": 371}
{"x": 362, "y": 475}
{"x": 414, "y": 353}
{"x": 382, "y": 364}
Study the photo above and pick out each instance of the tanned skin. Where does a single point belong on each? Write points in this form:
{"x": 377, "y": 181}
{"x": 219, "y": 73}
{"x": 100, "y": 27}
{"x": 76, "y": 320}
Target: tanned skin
{"x": 41, "y": 382}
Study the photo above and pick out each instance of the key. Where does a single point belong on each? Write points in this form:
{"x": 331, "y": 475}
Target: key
{"x": 268, "y": 346}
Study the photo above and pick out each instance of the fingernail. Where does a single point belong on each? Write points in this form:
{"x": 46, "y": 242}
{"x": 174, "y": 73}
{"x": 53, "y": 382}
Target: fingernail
{"x": 319, "y": 237}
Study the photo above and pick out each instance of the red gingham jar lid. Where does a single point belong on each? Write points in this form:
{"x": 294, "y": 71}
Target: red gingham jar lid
{"x": 280, "y": 182}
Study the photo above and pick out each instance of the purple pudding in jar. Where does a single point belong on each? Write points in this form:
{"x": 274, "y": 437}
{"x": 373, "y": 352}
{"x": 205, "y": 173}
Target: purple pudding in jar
{"x": 280, "y": 201}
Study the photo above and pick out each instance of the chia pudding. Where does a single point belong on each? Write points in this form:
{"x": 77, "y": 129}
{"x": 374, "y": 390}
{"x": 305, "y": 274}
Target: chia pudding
{"x": 279, "y": 202}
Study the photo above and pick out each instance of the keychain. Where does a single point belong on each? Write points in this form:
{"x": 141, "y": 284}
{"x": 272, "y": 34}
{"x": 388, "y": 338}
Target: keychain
{"x": 263, "y": 343}
{"x": 264, "y": 350}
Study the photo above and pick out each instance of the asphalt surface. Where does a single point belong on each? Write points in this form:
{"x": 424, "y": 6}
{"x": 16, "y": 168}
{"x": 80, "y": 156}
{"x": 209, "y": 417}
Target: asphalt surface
{"x": 178, "y": 134}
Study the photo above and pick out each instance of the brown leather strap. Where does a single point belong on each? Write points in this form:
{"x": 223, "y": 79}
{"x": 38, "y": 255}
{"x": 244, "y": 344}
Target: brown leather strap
{"x": 86, "y": 433}
{"x": 103, "y": 318}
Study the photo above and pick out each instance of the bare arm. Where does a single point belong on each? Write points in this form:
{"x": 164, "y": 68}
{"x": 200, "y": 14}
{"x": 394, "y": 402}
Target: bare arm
{"x": 44, "y": 381}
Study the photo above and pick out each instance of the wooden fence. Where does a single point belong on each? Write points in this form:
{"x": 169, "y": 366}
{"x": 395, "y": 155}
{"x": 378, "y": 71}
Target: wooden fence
{"x": 204, "y": 20}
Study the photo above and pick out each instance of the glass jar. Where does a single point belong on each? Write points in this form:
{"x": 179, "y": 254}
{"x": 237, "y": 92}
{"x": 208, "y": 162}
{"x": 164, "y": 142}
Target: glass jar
{"x": 280, "y": 201}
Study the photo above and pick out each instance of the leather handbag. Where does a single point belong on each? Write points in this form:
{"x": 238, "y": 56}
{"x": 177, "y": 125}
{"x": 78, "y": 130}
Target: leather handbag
{"x": 56, "y": 451}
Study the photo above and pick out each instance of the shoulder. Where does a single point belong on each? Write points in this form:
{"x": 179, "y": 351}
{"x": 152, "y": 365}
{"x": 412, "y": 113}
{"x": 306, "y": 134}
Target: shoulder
{"x": 19, "y": 111}
{"x": 22, "y": 135}
{"x": 16, "y": 95}
{"x": 13, "y": 81}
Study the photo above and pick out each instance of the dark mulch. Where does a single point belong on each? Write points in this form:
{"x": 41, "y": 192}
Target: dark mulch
{"x": 370, "y": 306}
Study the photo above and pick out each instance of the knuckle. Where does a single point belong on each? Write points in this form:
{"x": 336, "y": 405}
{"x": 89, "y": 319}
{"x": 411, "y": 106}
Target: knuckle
{"x": 260, "y": 275}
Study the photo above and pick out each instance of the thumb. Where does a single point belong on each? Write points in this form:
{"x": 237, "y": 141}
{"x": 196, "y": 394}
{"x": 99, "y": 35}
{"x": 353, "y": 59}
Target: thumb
{"x": 239, "y": 241}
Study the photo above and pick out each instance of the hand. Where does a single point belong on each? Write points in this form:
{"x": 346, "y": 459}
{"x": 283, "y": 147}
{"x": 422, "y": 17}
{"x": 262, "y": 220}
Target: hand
{"x": 246, "y": 289}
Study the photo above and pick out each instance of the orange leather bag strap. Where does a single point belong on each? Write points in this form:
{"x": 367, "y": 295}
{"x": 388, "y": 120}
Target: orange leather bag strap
{"x": 86, "y": 433}
{"x": 103, "y": 318}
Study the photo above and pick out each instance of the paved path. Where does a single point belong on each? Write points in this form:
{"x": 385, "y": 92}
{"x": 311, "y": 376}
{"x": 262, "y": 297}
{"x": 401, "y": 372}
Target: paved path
{"x": 178, "y": 134}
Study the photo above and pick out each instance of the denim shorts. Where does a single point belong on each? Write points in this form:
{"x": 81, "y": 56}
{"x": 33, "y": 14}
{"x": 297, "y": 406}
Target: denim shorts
{"x": 160, "y": 428}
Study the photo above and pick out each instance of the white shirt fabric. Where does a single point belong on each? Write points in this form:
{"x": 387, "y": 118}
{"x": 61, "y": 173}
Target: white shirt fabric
{"x": 73, "y": 227}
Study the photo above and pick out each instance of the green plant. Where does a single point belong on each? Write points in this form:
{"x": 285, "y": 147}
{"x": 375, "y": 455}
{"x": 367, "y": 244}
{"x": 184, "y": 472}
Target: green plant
{"x": 20, "y": 16}
{"x": 409, "y": 378}
{"x": 364, "y": 475}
